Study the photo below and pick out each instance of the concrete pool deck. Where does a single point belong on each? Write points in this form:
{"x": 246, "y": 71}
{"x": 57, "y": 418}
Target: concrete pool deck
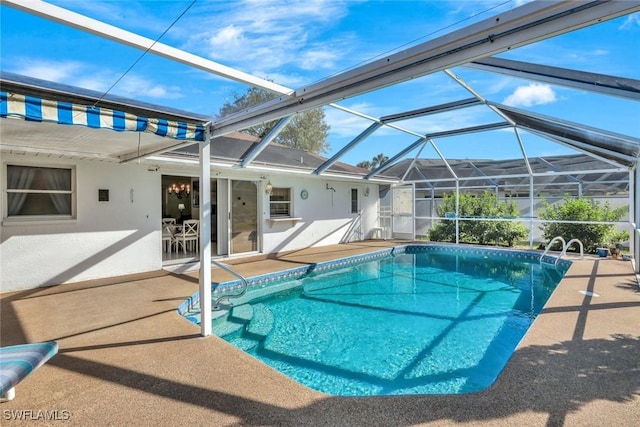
{"x": 127, "y": 358}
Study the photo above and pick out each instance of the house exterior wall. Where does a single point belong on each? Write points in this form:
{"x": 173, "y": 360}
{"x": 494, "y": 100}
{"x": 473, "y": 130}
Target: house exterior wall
{"x": 325, "y": 216}
{"x": 117, "y": 237}
{"x": 123, "y": 236}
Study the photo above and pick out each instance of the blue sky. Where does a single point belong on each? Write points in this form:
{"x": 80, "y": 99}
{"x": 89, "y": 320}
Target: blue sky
{"x": 297, "y": 43}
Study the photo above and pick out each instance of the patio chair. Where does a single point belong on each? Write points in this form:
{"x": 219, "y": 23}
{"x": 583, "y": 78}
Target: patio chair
{"x": 168, "y": 237}
{"x": 168, "y": 221}
{"x": 188, "y": 235}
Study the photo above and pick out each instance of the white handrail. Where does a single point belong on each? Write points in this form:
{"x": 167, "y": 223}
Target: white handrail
{"x": 564, "y": 251}
{"x": 216, "y": 304}
{"x": 564, "y": 244}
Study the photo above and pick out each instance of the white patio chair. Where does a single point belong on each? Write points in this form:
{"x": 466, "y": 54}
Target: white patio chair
{"x": 168, "y": 237}
{"x": 168, "y": 221}
{"x": 188, "y": 235}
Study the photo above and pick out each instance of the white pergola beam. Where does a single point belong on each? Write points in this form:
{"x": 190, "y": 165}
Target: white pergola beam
{"x": 518, "y": 27}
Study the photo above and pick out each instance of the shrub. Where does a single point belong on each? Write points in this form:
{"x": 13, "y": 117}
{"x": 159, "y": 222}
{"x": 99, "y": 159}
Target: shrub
{"x": 581, "y": 209}
{"x": 478, "y": 231}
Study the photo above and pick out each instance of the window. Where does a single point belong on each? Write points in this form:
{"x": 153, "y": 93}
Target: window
{"x": 39, "y": 191}
{"x": 354, "y": 200}
{"x": 280, "y": 203}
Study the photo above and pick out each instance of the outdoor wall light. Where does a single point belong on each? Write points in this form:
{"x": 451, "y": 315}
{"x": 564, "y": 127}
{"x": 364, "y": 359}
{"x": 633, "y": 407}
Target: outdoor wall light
{"x": 268, "y": 188}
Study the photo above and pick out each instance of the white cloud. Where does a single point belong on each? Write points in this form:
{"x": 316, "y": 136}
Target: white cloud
{"x": 532, "y": 94}
{"x": 85, "y": 75}
{"x": 55, "y": 71}
{"x": 271, "y": 35}
{"x": 229, "y": 37}
{"x": 632, "y": 20}
{"x": 315, "y": 59}
{"x": 135, "y": 87}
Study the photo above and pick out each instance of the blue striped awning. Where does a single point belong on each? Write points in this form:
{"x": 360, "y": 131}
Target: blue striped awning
{"x": 13, "y": 105}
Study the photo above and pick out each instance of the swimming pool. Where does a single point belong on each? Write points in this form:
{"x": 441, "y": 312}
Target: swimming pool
{"x": 419, "y": 320}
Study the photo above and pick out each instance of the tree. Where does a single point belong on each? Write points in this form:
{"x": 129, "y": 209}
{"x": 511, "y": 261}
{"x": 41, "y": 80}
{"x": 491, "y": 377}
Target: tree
{"x": 581, "y": 209}
{"x": 376, "y": 161}
{"x": 364, "y": 165}
{"x": 307, "y": 130}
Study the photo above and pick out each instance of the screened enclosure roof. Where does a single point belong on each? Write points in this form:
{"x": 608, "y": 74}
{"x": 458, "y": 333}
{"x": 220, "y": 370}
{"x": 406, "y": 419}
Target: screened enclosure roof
{"x": 453, "y": 62}
{"x": 557, "y": 175}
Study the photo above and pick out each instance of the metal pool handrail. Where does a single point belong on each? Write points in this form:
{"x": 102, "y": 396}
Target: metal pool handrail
{"x": 235, "y": 273}
{"x": 564, "y": 251}
{"x": 564, "y": 244}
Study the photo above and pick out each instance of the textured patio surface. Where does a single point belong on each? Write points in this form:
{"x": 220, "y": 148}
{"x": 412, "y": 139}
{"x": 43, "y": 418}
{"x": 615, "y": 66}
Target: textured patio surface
{"x": 127, "y": 358}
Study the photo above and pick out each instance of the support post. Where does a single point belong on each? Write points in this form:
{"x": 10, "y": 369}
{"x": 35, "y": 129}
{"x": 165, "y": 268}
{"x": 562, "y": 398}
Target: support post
{"x": 457, "y": 211}
{"x": 634, "y": 215}
{"x": 531, "y": 207}
{"x": 205, "y": 233}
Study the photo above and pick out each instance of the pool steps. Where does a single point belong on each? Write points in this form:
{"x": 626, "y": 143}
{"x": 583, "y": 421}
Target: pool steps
{"x": 246, "y": 326}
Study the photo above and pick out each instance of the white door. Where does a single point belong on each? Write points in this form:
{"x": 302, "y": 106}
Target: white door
{"x": 402, "y": 212}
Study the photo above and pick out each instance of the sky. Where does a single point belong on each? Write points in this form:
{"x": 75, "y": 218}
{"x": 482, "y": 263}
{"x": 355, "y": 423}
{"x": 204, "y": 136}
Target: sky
{"x": 297, "y": 43}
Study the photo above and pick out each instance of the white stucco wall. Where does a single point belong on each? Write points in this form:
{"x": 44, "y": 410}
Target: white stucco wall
{"x": 326, "y": 216}
{"x": 122, "y": 236}
{"x": 117, "y": 237}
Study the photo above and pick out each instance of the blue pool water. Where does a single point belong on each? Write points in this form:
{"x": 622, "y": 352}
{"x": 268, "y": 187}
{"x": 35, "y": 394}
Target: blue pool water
{"x": 415, "y": 323}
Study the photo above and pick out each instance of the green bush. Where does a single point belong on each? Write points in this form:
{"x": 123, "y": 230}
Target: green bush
{"x": 592, "y": 236}
{"x": 478, "y": 231}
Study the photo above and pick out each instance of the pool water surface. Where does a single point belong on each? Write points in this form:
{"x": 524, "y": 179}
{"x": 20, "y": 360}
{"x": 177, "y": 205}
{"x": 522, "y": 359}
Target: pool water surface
{"x": 414, "y": 323}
